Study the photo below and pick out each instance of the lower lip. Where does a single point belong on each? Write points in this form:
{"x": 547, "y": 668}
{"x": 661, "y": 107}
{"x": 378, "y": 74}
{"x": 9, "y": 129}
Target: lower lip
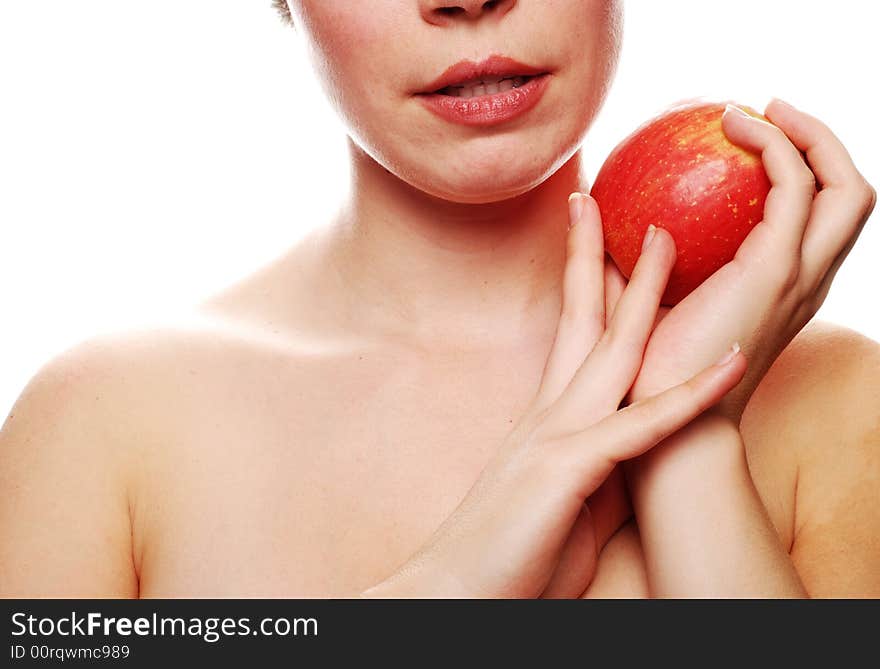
{"x": 485, "y": 110}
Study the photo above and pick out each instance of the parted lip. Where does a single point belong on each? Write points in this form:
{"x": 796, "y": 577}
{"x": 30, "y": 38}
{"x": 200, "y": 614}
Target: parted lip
{"x": 493, "y": 66}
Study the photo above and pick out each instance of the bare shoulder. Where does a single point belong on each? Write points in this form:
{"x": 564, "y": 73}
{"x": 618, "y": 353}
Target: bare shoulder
{"x": 812, "y": 433}
{"x": 80, "y": 399}
{"x": 91, "y": 421}
{"x": 65, "y": 463}
{"x": 110, "y": 405}
{"x": 118, "y": 384}
{"x": 827, "y": 381}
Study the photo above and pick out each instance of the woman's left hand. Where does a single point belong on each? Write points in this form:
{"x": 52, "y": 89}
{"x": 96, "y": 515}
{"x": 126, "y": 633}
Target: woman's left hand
{"x": 782, "y": 272}
{"x": 778, "y": 279}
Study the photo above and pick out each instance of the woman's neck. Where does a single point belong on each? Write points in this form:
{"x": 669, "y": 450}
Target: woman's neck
{"x": 458, "y": 274}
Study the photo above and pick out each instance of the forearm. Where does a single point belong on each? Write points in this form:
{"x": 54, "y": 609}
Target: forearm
{"x": 704, "y": 530}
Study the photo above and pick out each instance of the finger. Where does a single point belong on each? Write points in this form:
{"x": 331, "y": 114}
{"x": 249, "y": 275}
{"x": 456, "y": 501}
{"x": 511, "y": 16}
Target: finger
{"x": 577, "y": 560}
{"x": 615, "y": 282}
{"x": 821, "y": 291}
{"x": 640, "y": 426}
{"x": 637, "y": 307}
{"x": 611, "y": 507}
{"x": 601, "y": 382}
{"x": 787, "y": 207}
{"x": 582, "y": 319}
{"x": 603, "y": 514}
{"x": 836, "y": 223}
{"x": 827, "y": 157}
{"x": 839, "y": 214}
{"x": 845, "y": 200}
{"x": 614, "y": 285}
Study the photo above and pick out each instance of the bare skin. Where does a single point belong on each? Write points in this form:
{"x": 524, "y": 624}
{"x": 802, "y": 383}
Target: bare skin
{"x": 309, "y": 430}
{"x": 233, "y": 457}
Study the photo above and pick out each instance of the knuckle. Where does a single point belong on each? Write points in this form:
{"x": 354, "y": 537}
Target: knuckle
{"x": 790, "y": 279}
{"x": 682, "y": 399}
{"x": 568, "y": 320}
{"x": 773, "y": 133}
{"x": 626, "y": 355}
{"x": 527, "y": 435}
{"x": 598, "y": 464}
{"x": 777, "y": 139}
{"x": 869, "y": 199}
{"x": 623, "y": 344}
{"x": 652, "y": 414}
{"x": 649, "y": 282}
{"x": 580, "y": 318}
{"x": 595, "y": 320}
{"x": 549, "y": 463}
{"x": 696, "y": 394}
{"x": 644, "y": 273}
{"x": 784, "y": 276}
{"x": 804, "y": 180}
{"x": 690, "y": 393}
{"x": 538, "y": 430}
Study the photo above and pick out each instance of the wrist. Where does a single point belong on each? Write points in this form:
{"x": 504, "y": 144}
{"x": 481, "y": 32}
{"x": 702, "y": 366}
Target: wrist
{"x": 709, "y": 446}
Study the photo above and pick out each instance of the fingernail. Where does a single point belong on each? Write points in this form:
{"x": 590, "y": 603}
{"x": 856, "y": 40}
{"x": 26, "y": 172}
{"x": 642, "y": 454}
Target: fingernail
{"x": 783, "y": 103}
{"x": 575, "y": 207}
{"x": 649, "y": 235}
{"x": 729, "y": 354}
{"x": 736, "y": 110}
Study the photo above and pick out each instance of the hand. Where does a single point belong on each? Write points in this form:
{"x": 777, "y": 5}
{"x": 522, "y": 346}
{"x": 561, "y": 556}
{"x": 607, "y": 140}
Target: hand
{"x": 782, "y": 272}
{"x": 525, "y": 518}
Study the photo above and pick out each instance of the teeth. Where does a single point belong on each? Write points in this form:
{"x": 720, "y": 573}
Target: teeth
{"x": 485, "y": 87}
{"x": 487, "y": 80}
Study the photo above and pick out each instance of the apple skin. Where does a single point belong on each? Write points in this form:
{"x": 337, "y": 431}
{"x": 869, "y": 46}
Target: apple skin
{"x": 678, "y": 171}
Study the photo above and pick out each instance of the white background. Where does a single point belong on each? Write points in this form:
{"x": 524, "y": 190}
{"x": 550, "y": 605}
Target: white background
{"x": 153, "y": 152}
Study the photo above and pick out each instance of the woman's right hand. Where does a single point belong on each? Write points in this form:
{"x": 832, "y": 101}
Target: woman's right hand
{"x": 525, "y": 517}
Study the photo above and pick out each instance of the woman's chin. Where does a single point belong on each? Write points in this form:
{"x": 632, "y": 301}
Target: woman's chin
{"x": 484, "y": 187}
{"x": 476, "y": 196}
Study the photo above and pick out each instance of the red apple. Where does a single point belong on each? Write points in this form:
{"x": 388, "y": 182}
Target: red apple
{"x": 679, "y": 172}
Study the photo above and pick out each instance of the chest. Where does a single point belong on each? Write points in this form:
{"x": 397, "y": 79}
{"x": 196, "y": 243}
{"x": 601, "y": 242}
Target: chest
{"x": 319, "y": 486}
{"x": 322, "y": 484}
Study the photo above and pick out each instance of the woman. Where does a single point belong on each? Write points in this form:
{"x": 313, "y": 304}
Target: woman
{"x": 421, "y": 398}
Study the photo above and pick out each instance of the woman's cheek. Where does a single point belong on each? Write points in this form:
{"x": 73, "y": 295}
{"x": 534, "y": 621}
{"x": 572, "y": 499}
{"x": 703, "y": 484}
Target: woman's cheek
{"x": 357, "y": 36}
{"x": 348, "y": 41}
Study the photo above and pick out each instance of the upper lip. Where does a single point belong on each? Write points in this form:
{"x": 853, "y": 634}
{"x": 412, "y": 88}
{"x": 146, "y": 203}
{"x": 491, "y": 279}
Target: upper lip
{"x": 493, "y": 66}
